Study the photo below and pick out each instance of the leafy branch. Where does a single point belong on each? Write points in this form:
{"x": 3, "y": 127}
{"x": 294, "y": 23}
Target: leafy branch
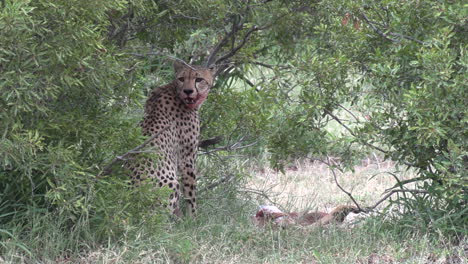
{"x": 157, "y": 53}
{"x": 329, "y": 113}
{"x": 108, "y": 168}
{"x": 331, "y": 167}
{"x": 238, "y": 24}
{"x": 386, "y": 34}
{"x": 389, "y": 192}
{"x": 414, "y": 191}
{"x": 233, "y": 146}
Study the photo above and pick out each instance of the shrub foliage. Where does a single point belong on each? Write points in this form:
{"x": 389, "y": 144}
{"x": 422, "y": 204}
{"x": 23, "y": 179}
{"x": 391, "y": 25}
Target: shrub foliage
{"x": 73, "y": 74}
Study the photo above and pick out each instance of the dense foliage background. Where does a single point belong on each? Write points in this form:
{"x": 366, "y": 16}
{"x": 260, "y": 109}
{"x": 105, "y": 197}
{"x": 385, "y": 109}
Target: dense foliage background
{"x": 74, "y": 75}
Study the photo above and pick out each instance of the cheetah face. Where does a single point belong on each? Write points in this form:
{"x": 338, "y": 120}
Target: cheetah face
{"x": 193, "y": 83}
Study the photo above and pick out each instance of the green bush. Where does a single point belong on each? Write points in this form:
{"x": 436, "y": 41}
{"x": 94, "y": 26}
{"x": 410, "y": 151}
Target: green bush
{"x": 391, "y": 74}
{"x": 64, "y": 95}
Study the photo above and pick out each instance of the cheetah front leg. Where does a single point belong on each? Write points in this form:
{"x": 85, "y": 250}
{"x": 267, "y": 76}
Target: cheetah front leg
{"x": 188, "y": 177}
{"x": 162, "y": 172}
{"x": 160, "y": 168}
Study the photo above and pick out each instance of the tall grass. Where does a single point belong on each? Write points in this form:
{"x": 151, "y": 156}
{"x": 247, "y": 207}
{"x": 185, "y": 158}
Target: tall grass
{"x": 223, "y": 232}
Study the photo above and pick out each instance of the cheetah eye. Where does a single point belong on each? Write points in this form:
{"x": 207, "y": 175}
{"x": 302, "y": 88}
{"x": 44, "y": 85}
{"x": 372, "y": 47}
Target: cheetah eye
{"x": 181, "y": 79}
{"x": 198, "y": 79}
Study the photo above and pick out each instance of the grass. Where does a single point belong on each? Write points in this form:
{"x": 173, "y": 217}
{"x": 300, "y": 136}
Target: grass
{"x": 223, "y": 232}
{"x": 311, "y": 185}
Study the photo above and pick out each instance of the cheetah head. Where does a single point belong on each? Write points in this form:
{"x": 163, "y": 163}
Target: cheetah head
{"x": 193, "y": 83}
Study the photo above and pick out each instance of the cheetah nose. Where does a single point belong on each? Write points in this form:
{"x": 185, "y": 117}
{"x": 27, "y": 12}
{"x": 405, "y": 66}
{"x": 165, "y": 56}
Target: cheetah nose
{"x": 188, "y": 91}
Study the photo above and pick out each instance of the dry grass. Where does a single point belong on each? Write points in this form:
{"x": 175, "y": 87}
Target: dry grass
{"x": 311, "y": 185}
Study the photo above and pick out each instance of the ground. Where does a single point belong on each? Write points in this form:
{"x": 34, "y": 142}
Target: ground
{"x": 223, "y": 233}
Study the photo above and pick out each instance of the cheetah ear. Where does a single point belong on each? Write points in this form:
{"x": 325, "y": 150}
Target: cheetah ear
{"x": 213, "y": 69}
{"x": 178, "y": 66}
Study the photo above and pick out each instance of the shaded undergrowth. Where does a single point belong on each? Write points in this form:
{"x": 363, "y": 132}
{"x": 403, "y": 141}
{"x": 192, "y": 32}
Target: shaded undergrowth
{"x": 223, "y": 232}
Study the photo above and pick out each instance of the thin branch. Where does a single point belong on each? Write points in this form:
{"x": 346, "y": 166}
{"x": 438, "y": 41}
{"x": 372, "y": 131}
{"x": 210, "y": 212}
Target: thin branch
{"x": 365, "y": 142}
{"x": 235, "y": 146}
{"x": 220, "y": 44}
{"x": 371, "y": 208}
{"x": 402, "y": 183}
{"x": 377, "y": 12}
{"x": 226, "y": 179}
{"x": 339, "y": 186}
{"x": 232, "y": 34}
{"x": 261, "y": 3}
{"x": 247, "y": 81}
{"x": 377, "y": 30}
{"x": 408, "y": 38}
{"x": 187, "y": 17}
{"x": 132, "y": 68}
{"x": 160, "y": 54}
{"x": 386, "y": 35}
{"x": 257, "y": 192}
{"x": 108, "y": 169}
{"x": 210, "y": 141}
{"x": 270, "y": 66}
{"x": 393, "y": 192}
{"x": 349, "y": 112}
{"x": 351, "y": 131}
{"x": 233, "y": 51}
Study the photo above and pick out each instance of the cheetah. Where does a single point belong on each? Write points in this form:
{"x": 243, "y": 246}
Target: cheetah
{"x": 172, "y": 111}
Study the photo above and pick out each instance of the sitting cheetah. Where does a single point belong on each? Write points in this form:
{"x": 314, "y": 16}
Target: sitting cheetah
{"x": 173, "y": 109}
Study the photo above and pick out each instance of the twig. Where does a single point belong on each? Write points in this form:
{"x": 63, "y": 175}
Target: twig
{"x": 234, "y": 146}
{"x": 187, "y": 17}
{"x": 339, "y": 186}
{"x": 376, "y": 160}
{"x": 351, "y": 131}
{"x": 229, "y": 177}
{"x": 235, "y": 49}
{"x": 270, "y": 66}
{"x": 231, "y": 35}
{"x": 377, "y": 30}
{"x": 108, "y": 169}
{"x": 220, "y": 44}
{"x": 247, "y": 81}
{"x": 152, "y": 53}
{"x": 382, "y": 172}
{"x": 408, "y": 38}
{"x": 257, "y": 192}
{"x": 401, "y": 183}
{"x": 391, "y": 193}
{"x": 365, "y": 142}
{"x": 386, "y": 35}
{"x": 349, "y": 112}
{"x": 210, "y": 141}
